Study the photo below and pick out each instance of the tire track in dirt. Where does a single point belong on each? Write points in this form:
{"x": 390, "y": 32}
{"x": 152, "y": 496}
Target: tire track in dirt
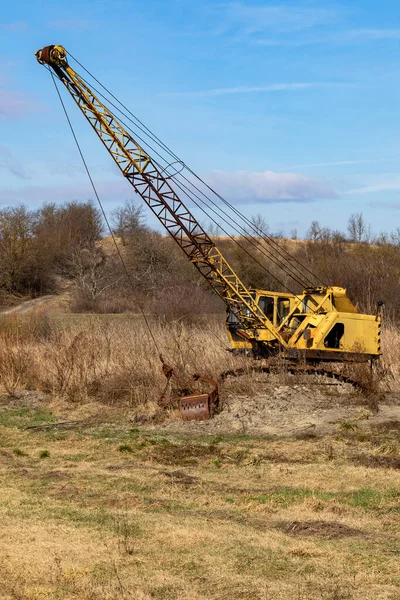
{"x": 31, "y": 305}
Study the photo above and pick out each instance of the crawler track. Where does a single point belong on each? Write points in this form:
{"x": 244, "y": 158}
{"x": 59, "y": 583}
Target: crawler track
{"x": 296, "y": 369}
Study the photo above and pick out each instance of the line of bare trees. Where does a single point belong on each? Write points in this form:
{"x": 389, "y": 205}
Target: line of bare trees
{"x": 61, "y": 246}
{"x": 36, "y": 247}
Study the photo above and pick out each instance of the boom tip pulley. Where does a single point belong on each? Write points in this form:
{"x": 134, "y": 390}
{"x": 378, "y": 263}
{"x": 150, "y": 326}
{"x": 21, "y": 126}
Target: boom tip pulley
{"x": 54, "y": 55}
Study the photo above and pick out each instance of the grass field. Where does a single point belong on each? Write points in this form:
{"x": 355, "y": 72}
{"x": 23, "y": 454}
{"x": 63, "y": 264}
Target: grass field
{"x": 107, "y": 509}
{"x": 113, "y": 511}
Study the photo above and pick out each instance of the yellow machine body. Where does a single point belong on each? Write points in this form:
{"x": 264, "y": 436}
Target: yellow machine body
{"x": 320, "y": 324}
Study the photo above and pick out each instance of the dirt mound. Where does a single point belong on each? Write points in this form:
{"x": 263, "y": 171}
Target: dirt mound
{"x": 320, "y": 529}
{"x": 299, "y": 411}
{"x": 377, "y": 462}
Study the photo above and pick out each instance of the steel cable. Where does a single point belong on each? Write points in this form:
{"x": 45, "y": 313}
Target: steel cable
{"x": 190, "y": 195}
{"x": 255, "y": 242}
{"x": 278, "y": 248}
{"x": 106, "y": 218}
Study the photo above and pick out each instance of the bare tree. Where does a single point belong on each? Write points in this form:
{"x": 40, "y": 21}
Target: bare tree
{"x": 395, "y": 237}
{"x": 259, "y": 224}
{"x": 93, "y": 274}
{"x": 16, "y": 236}
{"x": 128, "y": 220}
{"x": 357, "y": 228}
{"x": 314, "y": 231}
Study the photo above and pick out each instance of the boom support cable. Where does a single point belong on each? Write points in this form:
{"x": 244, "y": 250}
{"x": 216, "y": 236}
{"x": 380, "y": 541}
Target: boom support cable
{"x": 149, "y": 329}
{"x": 270, "y": 240}
{"x": 190, "y": 194}
{"x": 255, "y": 242}
{"x": 157, "y": 192}
{"x": 295, "y": 273}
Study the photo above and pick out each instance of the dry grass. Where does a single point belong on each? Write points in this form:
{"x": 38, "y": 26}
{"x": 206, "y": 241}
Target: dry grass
{"x": 390, "y": 361}
{"x": 195, "y": 518}
{"x": 113, "y": 511}
{"x": 113, "y": 359}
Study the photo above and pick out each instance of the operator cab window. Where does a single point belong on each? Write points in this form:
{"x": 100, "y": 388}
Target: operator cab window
{"x": 266, "y": 303}
{"x": 232, "y": 318}
{"x": 332, "y": 340}
{"x": 282, "y": 310}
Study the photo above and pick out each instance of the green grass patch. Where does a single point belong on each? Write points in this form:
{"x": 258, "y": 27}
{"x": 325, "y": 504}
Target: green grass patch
{"x": 125, "y": 448}
{"x": 25, "y": 417}
{"x": 365, "y": 498}
{"x": 19, "y": 452}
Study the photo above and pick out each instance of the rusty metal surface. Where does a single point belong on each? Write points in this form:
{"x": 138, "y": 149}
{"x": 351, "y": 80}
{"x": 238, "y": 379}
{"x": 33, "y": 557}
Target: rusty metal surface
{"x": 195, "y": 408}
{"x": 198, "y": 407}
{"x": 45, "y": 54}
{"x": 298, "y": 369}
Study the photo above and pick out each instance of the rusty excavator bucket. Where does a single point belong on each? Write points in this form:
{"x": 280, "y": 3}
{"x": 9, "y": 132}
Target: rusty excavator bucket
{"x": 198, "y": 407}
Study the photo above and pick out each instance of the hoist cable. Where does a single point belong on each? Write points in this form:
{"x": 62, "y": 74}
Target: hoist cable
{"x": 190, "y": 194}
{"x": 255, "y": 242}
{"x": 271, "y": 241}
{"x": 286, "y": 266}
{"x": 105, "y": 216}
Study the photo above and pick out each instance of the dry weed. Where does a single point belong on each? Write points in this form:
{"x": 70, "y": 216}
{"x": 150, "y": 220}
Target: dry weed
{"x": 109, "y": 359}
{"x": 112, "y": 359}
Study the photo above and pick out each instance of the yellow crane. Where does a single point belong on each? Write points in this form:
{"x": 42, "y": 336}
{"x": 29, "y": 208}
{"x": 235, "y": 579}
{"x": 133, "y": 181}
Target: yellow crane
{"x": 320, "y": 324}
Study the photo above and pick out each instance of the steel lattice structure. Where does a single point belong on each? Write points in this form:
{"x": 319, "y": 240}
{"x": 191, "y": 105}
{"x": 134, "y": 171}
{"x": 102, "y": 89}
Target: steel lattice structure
{"x": 154, "y": 188}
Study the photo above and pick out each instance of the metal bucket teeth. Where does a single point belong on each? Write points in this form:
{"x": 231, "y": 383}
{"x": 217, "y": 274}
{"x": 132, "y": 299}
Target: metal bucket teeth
{"x": 195, "y": 408}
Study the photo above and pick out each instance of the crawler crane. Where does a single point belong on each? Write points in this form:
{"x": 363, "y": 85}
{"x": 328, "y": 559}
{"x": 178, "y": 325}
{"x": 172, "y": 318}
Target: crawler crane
{"x": 320, "y": 324}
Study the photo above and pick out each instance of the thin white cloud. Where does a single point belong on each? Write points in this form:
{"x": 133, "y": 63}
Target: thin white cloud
{"x": 238, "y": 187}
{"x": 15, "y": 27}
{"x": 15, "y": 105}
{"x": 367, "y": 35}
{"x": 252, "y": 19}
{"x": 391, "y": 185}
{"x": 340, "y": 163}
{"x": 349, "y": 36}
{"x": 269, "y": 187}
{"x": 273, "y": 87}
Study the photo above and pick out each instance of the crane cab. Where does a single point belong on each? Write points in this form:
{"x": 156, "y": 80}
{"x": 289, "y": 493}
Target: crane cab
{"x": 319, "y": 324}
{"x": 276, "y": 307}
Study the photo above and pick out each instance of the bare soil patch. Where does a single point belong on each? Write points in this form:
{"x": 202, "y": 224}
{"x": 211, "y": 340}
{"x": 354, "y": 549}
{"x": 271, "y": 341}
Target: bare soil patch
{"x": 181, "y": 477}
{"x": 298, "y": 411}
{"x": 377, "y": 462}
{"x": 319, "y": 529}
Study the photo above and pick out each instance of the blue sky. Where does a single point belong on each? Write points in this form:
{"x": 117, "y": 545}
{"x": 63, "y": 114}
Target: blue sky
{"x": 289, "y": 109}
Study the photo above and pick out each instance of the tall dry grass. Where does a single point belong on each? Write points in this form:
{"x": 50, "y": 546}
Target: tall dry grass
{"x": 110, "y": 358}
{"x": 113, "y": 359}
{"x": 389, "y": 364}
